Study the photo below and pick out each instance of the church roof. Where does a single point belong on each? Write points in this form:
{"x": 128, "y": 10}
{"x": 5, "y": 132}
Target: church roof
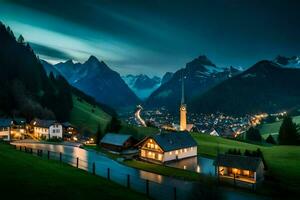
{"x": 174, "y": 140}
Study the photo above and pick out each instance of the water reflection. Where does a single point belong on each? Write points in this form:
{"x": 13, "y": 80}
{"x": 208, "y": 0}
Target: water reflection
{"x": 196, "y": 164}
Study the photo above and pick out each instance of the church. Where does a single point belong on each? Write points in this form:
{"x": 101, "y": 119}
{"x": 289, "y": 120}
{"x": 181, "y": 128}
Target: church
{"x": 183, "y": 126}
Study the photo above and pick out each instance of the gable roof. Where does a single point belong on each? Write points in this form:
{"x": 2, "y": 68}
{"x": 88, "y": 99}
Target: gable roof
{"x": 173, "y": 141}
{"x": 42, "y": 123}
{"x": 5, "y": 122}
{"x": 68, "y": 124}
{"x": 238, "y": 161}
{"x": 115, "y": 139}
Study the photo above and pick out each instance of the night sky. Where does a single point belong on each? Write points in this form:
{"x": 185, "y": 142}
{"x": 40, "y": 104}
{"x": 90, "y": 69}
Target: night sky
{"x": 153, "y": 37}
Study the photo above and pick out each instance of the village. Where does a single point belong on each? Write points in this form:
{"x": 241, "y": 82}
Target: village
{"x": 167, "y": 146}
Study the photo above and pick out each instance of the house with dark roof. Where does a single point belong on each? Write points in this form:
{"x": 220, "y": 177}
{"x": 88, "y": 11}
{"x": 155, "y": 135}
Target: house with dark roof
{"x": 69, "y": 129}
{"x": 18, "y": 128}
{"x": 47, "y": 129}
{"x": 117, "y": 142}
{"x": 165, "y": 147}
{"x": 242, "y": 168}
{"x": 5, "y": 129}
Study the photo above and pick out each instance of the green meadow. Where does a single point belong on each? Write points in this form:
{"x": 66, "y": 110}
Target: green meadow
{"x": 87, "y": 117}
{"x": 24, "y": 176}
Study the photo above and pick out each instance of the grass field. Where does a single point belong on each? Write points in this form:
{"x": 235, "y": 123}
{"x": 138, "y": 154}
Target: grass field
{"x": 24, "y": 176}
{"x": 138, "y": 132}
{"x": 87, "y": 118}
{"x": 273, "y": 128}
{"x": 283, "y": 161}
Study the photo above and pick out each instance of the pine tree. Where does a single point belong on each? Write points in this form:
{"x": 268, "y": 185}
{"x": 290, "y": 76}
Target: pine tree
{"x": 253, "y": 134}
{"x": 21, "y": 39}
{"x": 114, "y": 125}
{"x": 98, "y": 135}
{"x": 288, "y": 133}
{"x": 270, "y": 139}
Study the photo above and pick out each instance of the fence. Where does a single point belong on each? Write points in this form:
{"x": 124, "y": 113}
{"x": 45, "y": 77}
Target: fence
{"x": 189, "y": 190}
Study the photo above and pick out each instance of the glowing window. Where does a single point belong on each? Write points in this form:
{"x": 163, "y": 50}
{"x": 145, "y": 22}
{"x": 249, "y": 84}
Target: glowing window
{"x": 176, "y": 152}
{"x": 170, "y": 153}
{"x": 185, "y": 150}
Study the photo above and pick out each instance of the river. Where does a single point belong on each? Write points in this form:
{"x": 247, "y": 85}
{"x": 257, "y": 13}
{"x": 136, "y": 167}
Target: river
{"x": 160, "y": 187}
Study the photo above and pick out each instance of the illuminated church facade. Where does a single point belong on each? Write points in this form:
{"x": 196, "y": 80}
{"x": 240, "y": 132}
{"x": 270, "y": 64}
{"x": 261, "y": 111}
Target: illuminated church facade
{"x": 183, "y": 111}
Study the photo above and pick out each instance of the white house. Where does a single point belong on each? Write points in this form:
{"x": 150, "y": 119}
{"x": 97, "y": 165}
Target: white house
{"x": 5, "y": 129}
{"x": 48, "y": 129}
{"x": 166, "y": 147}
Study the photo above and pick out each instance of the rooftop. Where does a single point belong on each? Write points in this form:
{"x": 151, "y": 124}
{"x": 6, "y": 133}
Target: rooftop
{"x": 5, "y": 122}
{"x": 115, "y": 139}
{"x": 174, "y": 140}
{"x": 238, "y": 161}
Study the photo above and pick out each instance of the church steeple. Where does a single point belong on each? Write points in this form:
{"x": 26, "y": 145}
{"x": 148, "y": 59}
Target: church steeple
{"x": 182, "y": 90}
{"x": 182, "y": 108}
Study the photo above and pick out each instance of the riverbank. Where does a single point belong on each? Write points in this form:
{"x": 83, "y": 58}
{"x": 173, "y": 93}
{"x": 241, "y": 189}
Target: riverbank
{"x": 155, "y": 168}
{"x": 24, "y": 176}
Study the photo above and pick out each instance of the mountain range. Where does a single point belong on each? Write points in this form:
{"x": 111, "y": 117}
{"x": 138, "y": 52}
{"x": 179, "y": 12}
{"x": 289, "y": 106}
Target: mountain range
{"x": 199, "y": 76}
{"x": 142, "y": 85}
{"x": 96, "y": 79}
{"x": 291, "y": 62}
{"x": 264, "y": 87}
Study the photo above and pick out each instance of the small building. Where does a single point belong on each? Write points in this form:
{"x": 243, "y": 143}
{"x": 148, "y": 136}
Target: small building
{"x": 18, "y": 128}
{"x": 69, "y": 130}
{"x": 117, "y": 142}
{"x": 214, "y": 132}
{"x": 165, "y": 147}
{"x": 5, "y": 129}
{"x": 47, "y": 129}
{"x": 240, "y": 168}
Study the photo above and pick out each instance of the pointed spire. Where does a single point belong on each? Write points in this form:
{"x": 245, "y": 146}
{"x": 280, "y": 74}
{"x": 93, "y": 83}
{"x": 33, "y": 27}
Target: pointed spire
{"x": 182, "y": 88}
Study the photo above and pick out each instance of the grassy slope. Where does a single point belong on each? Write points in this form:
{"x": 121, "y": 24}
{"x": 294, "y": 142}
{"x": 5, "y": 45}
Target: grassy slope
{"x": 138, "y": 132}
{"x": 83, "y": 117}
{"x": 273, "y": 128}
{"x": 24, "y": 176}
{"x": 283, "y": 161}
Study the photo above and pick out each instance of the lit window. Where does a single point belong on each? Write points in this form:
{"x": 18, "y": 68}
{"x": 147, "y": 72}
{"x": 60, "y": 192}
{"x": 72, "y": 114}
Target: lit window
{"x": 176, "y": 152}
{"x": 185, "y": 150}
{"x": 170, "y": 153}
{"x": 150, "y": 140}
{"x": 159, "y": 157}
{"x": 155, "y": 146}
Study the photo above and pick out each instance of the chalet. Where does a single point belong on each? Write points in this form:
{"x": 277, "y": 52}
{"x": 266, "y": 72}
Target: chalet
{"x": 242, "y": 168}
{"x": 18, "y": 128}
{"x": 47, "y": 129}
{"x": 69, "y": 129}
{"x": 5, "y": 129}
{"x": 117, "y": 142}
{"x": 166, "y": 147}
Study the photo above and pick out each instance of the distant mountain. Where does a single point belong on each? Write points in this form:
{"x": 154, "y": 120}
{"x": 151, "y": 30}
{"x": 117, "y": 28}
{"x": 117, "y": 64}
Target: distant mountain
{"x": 199, "y": 76}
{"x": 96, "y": 79}
{"x": 166, "y": 77}
{"x": 142, "y": 85}
{"x": 49, "y": 68}
{"x": 292, "y": 62}
{"x": 265, "y": 87}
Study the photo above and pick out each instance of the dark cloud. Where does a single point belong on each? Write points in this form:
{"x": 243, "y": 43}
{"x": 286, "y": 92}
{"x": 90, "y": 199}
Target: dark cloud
{"x": 164, "y": 34}
{"x": 49, "y": 52}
